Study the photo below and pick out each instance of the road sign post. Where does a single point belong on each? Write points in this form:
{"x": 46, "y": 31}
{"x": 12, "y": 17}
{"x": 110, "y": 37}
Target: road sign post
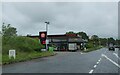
{"x": 12, "y": 53}
{"x": 42, "y": 37}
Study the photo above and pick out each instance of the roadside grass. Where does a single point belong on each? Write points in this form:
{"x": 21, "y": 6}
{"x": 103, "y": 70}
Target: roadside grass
{"x": 26, "y": 49}
{"x": 0, "y": 59}
{"x": 25, "y": 56}
{"x": 93, "y": 49}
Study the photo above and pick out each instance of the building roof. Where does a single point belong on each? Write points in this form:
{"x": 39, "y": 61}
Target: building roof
{"x": 62, "y": 35}
{"x": 72, "y": 37}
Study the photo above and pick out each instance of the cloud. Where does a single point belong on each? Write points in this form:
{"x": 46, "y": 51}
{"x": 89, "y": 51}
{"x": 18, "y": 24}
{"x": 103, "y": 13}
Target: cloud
{"x": 91, "y": 17}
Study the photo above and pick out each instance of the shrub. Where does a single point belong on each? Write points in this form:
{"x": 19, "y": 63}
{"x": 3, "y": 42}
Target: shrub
{"x": 20, "y": 43}
{"x": 89, "y": 45}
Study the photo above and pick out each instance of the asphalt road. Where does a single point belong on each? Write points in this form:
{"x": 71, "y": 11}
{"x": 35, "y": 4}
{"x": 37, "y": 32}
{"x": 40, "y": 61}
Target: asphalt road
{"x": 99, "y": 61}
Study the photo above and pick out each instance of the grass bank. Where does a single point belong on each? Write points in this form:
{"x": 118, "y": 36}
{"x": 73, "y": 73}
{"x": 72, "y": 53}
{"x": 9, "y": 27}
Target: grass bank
{"x": 93, "y": 49}
{"x": 20, "y": 57}
{"x": 26, "y": 49}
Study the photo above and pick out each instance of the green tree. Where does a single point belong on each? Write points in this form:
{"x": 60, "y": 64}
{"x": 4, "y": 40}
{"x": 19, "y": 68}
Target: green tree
{"x": 103, "y": 41}
{"x": 83, "y": 35}
{"x": 70, "y": 32}
{"x": 95, "y": 39}
{"x": 8, "y": 30}
{"x": 111, "y": 40}
{"x": 117, "y": 42}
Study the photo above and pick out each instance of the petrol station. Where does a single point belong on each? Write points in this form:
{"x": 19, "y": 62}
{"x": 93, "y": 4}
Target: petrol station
{"x": 64, "y": 42}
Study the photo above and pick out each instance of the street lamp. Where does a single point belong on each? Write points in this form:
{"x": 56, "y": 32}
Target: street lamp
{"x": 46, "y": 23}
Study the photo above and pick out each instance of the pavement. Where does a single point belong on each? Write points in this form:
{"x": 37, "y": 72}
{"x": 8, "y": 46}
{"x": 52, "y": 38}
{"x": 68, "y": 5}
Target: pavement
{"x": 99, "y": 61}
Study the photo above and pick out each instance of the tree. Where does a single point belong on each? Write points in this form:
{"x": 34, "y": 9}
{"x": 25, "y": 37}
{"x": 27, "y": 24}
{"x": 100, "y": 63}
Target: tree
{"x": 70, "y": 32}
{"x": 8, "y": 30}
{"x": 83, "y": 35}
{"x": 95, "y": 39}
{"x": 117, "y": 42}
{"x": 0, "y": 33}
{"x": 111, "y": 40}
{"x": 103, "y": 41}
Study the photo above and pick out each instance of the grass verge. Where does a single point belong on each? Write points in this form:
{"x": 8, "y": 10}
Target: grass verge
{"x": 93, "y": 49}
{"x": 25, "y": 56}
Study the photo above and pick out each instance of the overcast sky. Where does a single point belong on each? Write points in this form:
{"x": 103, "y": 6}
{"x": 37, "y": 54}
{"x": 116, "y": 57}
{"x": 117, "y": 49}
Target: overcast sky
{"x": 99, "y": 18}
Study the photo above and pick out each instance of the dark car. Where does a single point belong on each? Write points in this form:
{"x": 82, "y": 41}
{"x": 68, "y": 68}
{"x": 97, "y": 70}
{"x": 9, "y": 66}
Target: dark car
{"x": 111, "y": 47}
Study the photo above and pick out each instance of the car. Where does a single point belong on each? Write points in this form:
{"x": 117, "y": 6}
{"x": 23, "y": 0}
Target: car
{"x": 112, "y": 48}
{"x": 117, "y": 46}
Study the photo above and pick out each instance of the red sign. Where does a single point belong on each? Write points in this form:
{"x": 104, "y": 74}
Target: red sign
{"x": 43, "y": 35}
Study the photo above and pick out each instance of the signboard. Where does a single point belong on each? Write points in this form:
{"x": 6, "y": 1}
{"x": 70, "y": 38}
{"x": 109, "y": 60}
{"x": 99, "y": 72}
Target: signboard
{"x": 12, "y": 53}
{"x": 43, "y": 50}
{"x": 42, "y": 36}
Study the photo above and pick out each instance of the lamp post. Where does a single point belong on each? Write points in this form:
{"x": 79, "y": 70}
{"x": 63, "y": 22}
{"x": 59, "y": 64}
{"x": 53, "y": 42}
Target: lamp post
{"x": 46, "y": 23}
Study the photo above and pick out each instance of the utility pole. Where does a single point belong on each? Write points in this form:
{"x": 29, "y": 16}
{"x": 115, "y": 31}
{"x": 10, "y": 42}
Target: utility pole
{"x": 46, "y": 23}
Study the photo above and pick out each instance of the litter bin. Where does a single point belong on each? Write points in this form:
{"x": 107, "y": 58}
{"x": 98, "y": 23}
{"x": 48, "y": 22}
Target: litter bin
{"x": 51, "y": 49}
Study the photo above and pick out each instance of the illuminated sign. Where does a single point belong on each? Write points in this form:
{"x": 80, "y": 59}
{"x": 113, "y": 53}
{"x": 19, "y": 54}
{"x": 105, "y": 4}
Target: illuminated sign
{"x": 42, "y": 36}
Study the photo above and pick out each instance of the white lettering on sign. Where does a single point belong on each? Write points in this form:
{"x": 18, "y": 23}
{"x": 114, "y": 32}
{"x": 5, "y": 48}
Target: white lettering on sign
{"x": 12, "y": 53}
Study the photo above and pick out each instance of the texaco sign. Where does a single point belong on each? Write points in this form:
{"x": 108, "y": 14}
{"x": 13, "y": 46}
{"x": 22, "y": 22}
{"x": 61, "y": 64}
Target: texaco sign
{"x": 43, "y": 35}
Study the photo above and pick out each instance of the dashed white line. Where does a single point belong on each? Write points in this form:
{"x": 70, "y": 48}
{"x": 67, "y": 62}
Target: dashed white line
{"x": 82, "y": 53}
{"x": 111, "y": 60}
{"x": 95, "y": 66}
{"x": 91, "y": 71}
{"x": 97, "y": 62}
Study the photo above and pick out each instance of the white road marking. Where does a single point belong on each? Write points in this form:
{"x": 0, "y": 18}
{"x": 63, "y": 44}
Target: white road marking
{"x": 116, "y": 55}
{"x": 97, "y": 62}
{"x": 111, "y": 60}
{"x": 91, "y": 71}
{"x": 95, "y": 66}
{"x": 82, "y": 53}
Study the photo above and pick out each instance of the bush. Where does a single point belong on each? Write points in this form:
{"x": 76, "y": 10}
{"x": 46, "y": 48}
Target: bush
{"x": 20, "y": 43}
{"x": 89, "y": 45}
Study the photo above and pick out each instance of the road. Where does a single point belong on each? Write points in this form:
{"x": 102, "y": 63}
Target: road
{"x": 99, "y": 61}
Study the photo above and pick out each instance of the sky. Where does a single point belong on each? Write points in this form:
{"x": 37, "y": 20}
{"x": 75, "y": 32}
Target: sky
{"x": 94, "y": 18}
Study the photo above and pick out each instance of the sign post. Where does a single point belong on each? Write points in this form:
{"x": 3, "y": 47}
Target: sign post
{"x": 12, "y": 53}
{"x": 43, "y": 36}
